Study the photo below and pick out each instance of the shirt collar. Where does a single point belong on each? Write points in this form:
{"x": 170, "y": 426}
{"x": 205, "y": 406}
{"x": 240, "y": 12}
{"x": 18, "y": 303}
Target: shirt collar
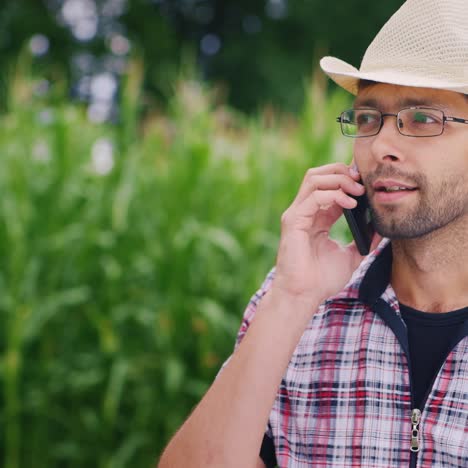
{"x": 371, "y": 280}
{"x": 376, "y": 279}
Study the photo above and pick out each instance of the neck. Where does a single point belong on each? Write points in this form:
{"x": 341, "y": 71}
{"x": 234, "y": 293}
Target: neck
{"x": 430, "y": 273}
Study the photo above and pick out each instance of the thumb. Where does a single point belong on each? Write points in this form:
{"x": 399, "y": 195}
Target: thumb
{"x": 355, "y": 255}
{"x": 375, "y": 241}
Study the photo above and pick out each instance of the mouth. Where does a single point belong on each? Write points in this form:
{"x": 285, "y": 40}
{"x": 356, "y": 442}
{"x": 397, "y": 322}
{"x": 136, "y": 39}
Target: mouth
{"x": 394, "y": 188}
{"x": 389, "y": 191}
{"x": 392, "y": 185}
{"x": 392, "y": 194}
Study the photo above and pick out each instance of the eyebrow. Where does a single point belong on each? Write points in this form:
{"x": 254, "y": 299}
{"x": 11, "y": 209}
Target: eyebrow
{"x": 401, "y": 103}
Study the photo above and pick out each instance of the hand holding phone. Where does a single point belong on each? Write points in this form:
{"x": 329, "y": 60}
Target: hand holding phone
{"x": 310, "y": 264}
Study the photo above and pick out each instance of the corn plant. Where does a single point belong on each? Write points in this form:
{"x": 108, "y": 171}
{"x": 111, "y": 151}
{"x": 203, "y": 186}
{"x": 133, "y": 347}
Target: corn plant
{"x": 129, "y": 251}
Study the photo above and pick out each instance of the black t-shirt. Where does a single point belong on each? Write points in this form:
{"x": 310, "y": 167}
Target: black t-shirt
{"x": 430, "y": 337}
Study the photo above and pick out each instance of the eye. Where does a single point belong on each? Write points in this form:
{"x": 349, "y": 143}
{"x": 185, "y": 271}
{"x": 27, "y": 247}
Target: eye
{"x": 426, "y": 118}
{"x": 366, "y": 118}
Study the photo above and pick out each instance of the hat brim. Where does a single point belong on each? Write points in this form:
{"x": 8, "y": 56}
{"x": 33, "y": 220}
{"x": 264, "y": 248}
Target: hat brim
{"x": 342, "y": 73}
{"x": 348, "y": 77}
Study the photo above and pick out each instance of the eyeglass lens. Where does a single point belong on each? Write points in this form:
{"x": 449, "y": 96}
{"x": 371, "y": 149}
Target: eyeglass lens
{"x": 417, "y": 122}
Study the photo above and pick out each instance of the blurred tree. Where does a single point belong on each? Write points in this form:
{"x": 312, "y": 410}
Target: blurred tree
{"x": 260, "y": 50}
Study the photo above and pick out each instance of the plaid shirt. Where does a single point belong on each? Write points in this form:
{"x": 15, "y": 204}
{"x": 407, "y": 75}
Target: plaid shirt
{"x": 345, "y": 399}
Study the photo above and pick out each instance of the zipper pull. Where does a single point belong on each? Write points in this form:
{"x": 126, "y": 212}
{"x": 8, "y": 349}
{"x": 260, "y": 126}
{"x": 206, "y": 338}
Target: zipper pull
{"x": 415, "y": 420}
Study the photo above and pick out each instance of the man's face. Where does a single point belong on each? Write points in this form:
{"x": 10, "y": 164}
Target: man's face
{"x": 434, "y": 170}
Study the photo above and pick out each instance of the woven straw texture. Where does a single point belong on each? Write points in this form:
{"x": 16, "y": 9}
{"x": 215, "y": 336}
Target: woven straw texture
{"x": 424, "y": 44}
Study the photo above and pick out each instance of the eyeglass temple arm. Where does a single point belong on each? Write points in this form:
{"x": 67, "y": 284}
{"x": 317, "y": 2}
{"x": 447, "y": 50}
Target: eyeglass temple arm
{"x": 456, "y": 119}
{"x": 342, "y": 120}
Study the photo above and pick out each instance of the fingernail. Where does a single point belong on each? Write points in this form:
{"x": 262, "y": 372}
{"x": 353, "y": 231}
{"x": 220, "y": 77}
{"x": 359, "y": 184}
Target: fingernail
{"x": 354, "y": 170}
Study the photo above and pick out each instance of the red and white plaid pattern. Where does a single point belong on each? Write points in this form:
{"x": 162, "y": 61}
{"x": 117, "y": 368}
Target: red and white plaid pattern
{"x": 345, "y": 399}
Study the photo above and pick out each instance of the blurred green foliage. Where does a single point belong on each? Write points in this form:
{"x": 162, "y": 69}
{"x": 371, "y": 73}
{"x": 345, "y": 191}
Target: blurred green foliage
{"x": 266, "y": 46}
{"x": 128, "y": 255}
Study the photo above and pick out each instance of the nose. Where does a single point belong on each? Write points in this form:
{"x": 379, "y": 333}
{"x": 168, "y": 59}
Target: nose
{"x": 387, "y": 145}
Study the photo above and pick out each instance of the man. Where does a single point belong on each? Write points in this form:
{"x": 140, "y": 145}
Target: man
{"x": 363, "y": 363}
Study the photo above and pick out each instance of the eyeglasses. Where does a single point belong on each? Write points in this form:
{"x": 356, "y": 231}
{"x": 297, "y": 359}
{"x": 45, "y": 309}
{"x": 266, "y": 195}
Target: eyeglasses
{"x": 411, "y": 121}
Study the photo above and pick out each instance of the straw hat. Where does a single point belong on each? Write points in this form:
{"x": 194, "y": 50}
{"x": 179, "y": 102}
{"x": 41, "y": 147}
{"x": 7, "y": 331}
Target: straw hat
{"x": 424, "y": 44}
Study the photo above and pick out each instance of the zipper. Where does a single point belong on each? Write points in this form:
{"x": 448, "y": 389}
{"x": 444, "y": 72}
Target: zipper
{"x": 415, "y": 444}
{"x": 396, "y": 324}
{"x": 415, "y": 420}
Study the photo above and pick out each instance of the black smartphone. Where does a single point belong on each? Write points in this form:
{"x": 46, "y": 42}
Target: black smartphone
{"x": 360, "y": 223}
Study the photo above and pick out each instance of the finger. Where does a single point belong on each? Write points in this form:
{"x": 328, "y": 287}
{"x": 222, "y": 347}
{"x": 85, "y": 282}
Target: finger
{"x": 311, "y": 217}
{"x": 328, "y": 182}
{"x": 324, "y": 200}
{"x": 327, "y": 169}
{"x": 333, "y": 168}
{"x": 354, "y": 171}
{"x": 330, "y": 201}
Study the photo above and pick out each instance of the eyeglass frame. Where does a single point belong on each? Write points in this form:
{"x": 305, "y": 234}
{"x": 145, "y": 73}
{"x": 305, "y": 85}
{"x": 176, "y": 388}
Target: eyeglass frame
{"x": 382, "y": 115}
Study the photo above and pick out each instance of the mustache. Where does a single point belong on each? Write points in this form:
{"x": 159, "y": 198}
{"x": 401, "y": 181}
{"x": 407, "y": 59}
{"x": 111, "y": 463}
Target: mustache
{"x": 389, "y": 172}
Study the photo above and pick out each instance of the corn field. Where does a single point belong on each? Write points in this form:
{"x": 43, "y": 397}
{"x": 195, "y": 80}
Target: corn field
{"x": 128, "y": 253}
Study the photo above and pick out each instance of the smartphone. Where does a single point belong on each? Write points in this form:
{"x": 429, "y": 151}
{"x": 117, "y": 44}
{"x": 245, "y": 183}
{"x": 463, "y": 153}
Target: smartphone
{"x": 360, "y": 223}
